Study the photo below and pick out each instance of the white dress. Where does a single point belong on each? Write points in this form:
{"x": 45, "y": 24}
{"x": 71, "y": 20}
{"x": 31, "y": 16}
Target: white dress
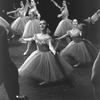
{"x": 32, "y": 26}
{"x": 42, "y": 64}
{"x": 81, "y": 49}
{"x": 18, "y": 25}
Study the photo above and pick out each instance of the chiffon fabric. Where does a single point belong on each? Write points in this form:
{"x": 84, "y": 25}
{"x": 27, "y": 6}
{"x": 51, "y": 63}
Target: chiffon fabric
{"x": 63, "y": 26}
{"x": 31, "y": 28}
{"x": 18, "y": 25}
{"x": 80, "y": 49}
{"x": 42, "y": 64}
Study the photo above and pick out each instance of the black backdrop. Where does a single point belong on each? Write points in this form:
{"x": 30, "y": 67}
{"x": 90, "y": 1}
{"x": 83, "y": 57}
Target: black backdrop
{"x": 79, "y": 9}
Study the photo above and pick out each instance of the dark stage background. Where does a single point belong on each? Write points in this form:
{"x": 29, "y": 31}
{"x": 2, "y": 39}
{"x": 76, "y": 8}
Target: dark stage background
{"x": 79, "y": 9}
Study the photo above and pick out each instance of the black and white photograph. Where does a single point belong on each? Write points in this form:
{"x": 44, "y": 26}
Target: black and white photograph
{"x": 49, "y": 49}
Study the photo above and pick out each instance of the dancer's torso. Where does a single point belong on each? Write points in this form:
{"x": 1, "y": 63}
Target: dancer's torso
{"x": 75, "y": 35}
{"x": 42, "y": 42}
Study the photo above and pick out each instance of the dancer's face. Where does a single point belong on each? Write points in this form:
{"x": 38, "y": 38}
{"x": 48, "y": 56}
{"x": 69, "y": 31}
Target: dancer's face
{"x": 64, "y": 3}
{"x": 21, "y": 3}
{"x": 33, "y": 3}
{"x": 75, "y": 23}
{"x": 42, "y": 25}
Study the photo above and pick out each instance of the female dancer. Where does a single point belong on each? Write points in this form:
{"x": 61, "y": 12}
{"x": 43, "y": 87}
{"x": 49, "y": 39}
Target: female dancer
{"x": 44, "y": 63}
{"x": 18, "y": 25}
{"x": 80, "y": 49}
{"x": 32, "y": 26}
{"x": 64, "y": 25}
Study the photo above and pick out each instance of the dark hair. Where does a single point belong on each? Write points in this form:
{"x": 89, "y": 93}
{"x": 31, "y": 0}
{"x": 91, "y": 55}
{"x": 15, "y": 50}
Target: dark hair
{"x": 47, "y": 25}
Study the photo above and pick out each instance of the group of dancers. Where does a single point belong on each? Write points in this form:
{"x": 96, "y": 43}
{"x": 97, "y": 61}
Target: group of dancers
{"x": 48, "y": 64}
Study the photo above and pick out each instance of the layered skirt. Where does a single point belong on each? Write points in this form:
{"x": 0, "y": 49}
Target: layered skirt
{"x": 63, "y": 27}
{"x": 82, "y": 51}
{"x": 18, "y": 25}
{"x": 45, "y": 66}
{"x": 31, "y": 28}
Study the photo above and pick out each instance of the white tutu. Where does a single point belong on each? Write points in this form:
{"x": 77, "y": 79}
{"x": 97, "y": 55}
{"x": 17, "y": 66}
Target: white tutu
{"x": 78, "y": 51}
{"x": 44, "y": 66}
{"x": 18, "y": 25}
{"x": 63, "y": 27}
{"x": 31, "y": 28}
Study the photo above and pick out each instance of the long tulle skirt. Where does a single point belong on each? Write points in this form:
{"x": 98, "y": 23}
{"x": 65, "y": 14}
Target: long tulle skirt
{"x": 45, "y": 66}
{"x": 4, "y": 23}
{"x": 92, "y": 50}
{"x": 63, "y": 27}
{"x": 31, "y": 28}
{"x": 18, "y": 25}
{"x": 83, "y": 51}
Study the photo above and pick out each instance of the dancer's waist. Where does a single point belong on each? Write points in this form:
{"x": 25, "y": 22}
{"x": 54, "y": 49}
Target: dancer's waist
{"x": 77, "y": 39}
{"x": 43, "y": 49}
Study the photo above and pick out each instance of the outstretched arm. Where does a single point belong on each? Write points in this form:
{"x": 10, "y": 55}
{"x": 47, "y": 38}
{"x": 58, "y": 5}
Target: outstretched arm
{"x": 12, "y": 17}
{"x": 94, "y": 17}
{"x": 56, "y": 4}
{"x": 29, "y": 39}
{"x": 63, "y": 36}
{"x": 12, "y": 11}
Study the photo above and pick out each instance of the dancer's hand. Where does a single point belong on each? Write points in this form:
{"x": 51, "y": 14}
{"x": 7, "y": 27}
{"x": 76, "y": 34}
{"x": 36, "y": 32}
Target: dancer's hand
{"x": 7, "y": 13}
{"x": 87, "y": 20}
{"x": 59, "y": 15}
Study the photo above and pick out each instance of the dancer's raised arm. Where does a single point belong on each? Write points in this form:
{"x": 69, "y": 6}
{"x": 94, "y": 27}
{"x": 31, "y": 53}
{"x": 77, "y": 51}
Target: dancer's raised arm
{"x": 63, "y": 36}
{"x": 94, "y": 17}
{"x": 56, "y": 4}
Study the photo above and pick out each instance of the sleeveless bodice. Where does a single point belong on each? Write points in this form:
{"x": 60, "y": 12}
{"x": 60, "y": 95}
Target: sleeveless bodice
{"x": 65, "y": 13}
{"x": 42, "y": 44}
{"x": 32, "y": 13}
{"x": 75, "y": 35}
{"x": 22, "y": 12}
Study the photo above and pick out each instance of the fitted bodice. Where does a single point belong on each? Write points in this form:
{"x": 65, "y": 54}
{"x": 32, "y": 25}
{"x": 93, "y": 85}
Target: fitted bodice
{"x": 32, "y": 13}
{"x": 42, "y": 44}
{"x": 22, "y": 12}
{"x": 75, "y": 34}
{"x": 65, "y": 13}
